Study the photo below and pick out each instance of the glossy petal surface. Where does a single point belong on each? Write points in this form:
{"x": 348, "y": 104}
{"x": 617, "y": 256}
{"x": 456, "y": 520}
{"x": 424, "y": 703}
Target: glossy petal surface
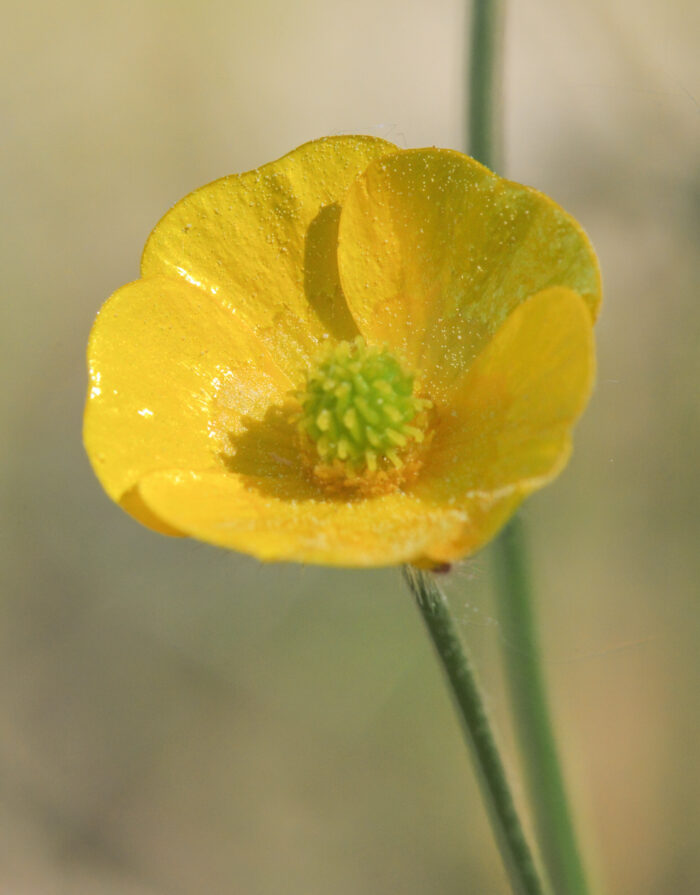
{"x": 226, "y": 510}
{"x": 172, "y": 372}
{"x": 264, "y": 243}
{"x": 435, "y": 251}
{"x": 508, "y": 420}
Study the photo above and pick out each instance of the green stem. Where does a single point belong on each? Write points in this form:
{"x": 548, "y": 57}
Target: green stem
{"x": 484, "y": 82}
{"x": 535, "y": 732}
{"x": 465, "y": 689}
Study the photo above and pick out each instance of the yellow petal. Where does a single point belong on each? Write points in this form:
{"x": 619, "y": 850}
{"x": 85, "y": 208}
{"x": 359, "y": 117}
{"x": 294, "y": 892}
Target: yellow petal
{"x": 227, "y": 510}
{"x": 172, "y": 374}
{"x": 435, "y": 251}
{"x": 508, "y": 421}
{"x": 264, "y": 243}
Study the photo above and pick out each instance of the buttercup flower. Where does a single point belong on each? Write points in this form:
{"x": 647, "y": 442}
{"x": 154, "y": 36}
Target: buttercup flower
{"x": 356, "y": 355}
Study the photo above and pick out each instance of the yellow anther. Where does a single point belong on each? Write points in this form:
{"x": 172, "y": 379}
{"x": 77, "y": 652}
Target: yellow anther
{"x": 393, "y": 413}
{"x": 323, "y": 420}
{"x": 360, "y": 384}
{"x": 396, "y": 437}
{"x": 394, "y": 458}
{"x": 370, "y": 415}
{"x": 352, "y": 424}
{"x": 372, "y": 436}
{"x": 415, "y": 433}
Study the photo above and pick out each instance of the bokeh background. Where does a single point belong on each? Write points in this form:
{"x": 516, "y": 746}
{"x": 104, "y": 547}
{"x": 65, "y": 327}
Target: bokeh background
{"x": 175, "y": 719}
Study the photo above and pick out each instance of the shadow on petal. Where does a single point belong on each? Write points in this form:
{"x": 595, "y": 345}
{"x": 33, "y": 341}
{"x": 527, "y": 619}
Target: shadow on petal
{"x": 268, "y": 453}
{"x": 321, "y": 278}
{"x": 132, "y": 502}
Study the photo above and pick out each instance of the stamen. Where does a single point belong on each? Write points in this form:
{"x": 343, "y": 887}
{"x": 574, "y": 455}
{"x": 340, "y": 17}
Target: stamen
{"x": 360, "y": 413}
{"x": 323, "y": 420}
{"x": 396, "y": 437}
{"x": 370, "y": 415}
{"x": 372, "y": 436}
{"x": 395, "y": 459}
{"x": 393, "y": 413}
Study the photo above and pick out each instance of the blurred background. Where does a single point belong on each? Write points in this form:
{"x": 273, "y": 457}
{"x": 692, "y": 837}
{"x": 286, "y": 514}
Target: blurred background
{"x": 175, "y": 719}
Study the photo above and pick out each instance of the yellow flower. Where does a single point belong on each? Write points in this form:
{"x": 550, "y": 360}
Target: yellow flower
{"x": 355, "y": 355}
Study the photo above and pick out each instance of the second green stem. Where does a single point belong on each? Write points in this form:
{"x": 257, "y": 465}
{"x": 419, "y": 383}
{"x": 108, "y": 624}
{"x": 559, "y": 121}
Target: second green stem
{"x": 545, "y": 780}
{"x": 484, "y": 74}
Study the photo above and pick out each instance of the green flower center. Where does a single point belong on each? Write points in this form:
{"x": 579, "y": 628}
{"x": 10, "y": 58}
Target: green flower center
{"x": 359, "y": 409}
